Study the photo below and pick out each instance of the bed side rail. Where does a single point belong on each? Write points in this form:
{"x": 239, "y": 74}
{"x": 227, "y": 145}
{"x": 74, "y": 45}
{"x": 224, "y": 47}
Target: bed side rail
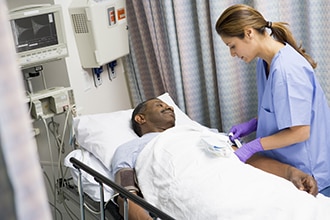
{"x": 125, "y": 194}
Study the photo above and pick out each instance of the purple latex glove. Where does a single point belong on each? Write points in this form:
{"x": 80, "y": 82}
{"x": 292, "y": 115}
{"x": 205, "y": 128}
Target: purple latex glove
{"x": 248, "y": 149}
{"x": 241, "y": 130}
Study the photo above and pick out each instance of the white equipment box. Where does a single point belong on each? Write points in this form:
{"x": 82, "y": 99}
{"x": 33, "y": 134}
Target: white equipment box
{"x": 100, "y": 29}
{"x": 50, "y": 102}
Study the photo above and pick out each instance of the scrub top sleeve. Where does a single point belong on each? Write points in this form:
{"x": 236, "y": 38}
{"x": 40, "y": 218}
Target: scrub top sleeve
{"x": 292, "y": 98}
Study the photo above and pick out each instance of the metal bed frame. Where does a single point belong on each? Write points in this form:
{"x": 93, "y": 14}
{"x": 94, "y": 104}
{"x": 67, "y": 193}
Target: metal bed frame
{"x": 125, "y": 194}
{"x": 70, "y": 192}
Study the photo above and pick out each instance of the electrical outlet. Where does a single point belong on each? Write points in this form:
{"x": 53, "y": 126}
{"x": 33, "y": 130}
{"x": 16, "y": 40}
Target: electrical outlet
{"x": 111, "y": 70}
{"x": 97, "y": 76}
{"x": 112, "y": 75}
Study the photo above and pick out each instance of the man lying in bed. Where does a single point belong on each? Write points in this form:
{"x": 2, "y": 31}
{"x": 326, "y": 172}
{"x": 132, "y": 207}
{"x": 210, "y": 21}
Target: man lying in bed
{"x": 153, "y": 116}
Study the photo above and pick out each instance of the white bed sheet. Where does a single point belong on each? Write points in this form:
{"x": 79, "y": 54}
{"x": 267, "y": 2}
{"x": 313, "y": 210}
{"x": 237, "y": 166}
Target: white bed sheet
{"x": 178, "y": 176}
{"x": 90, "y": 186}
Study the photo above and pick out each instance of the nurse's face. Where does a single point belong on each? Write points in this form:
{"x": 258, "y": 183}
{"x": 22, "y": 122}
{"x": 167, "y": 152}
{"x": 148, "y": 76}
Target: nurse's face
{"x": 241, "y": 48}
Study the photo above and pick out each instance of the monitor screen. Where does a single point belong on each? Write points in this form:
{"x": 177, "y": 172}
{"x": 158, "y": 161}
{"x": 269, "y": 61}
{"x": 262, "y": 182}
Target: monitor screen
{"x": 38, "y": 34}
{"x": 34, "y": 32}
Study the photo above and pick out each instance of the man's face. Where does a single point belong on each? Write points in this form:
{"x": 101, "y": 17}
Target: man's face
{"x": 159, "y": 115}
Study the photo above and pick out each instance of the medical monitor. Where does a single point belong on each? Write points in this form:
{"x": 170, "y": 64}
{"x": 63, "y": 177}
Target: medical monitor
{"x": 38, "y": 32}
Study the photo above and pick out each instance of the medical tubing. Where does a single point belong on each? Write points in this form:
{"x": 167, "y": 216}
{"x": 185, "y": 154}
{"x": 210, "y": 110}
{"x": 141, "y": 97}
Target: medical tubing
{"x": 56, "y": 209}
{"x": 248, "y": 149}
{"x": 59, "y": 168}
{"x": 69, "y": 211}
{"x": 43, "y": 79}
{"x": 52, "y": 160}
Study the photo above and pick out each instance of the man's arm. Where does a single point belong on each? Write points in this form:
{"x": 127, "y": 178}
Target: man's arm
{"x": 125, "y": 177}
{"x": 135, "y": 212}
{"x": 300, "y": 179}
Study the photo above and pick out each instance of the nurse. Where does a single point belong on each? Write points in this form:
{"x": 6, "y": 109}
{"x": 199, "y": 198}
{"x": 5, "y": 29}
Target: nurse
{"x": 293, "y": 123}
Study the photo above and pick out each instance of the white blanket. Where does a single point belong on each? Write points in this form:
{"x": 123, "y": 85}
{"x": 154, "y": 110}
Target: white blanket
{"x": 177, "y": 175}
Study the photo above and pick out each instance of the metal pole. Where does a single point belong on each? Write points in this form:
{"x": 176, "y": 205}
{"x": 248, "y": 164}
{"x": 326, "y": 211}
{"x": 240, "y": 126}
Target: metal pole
{"x": 102, "y": 201}
{"x": 125, "y": 208}
{"x": 81, "y": 197}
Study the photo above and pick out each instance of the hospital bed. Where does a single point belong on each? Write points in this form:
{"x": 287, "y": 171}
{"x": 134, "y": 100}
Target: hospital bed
{"x": 203, "y": 185}
{"x": 97, "y": 136}
{"x": 99, "y": 206}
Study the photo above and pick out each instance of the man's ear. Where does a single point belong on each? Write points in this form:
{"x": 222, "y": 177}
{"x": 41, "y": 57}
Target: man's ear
{"x": 140, "y": 119}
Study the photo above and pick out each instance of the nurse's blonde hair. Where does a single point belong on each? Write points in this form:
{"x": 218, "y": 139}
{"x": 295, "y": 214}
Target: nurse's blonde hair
{"x": 236, "y": 18}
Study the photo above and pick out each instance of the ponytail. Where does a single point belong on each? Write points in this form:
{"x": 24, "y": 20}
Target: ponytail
{"x": 236, "y": 18}
{"x": 281, "y": 33}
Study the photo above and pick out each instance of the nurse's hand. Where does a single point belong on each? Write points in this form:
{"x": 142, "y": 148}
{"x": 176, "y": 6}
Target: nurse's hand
{"x": 302, "y": 181}
{"x": 241, "y": 130}
{"x": 247, "y": 150}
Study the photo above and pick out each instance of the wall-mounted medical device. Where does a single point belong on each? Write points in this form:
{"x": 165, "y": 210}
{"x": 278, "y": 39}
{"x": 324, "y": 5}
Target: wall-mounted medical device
{"x": 50, "y": 102}
{"x": 100, "y": 30}
{"x": 38, "y": 32}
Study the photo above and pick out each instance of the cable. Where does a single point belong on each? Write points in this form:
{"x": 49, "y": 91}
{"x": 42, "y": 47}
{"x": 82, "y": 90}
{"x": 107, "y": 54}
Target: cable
{"x": 39, "y": 69}
{"x": 30, "y": 101}
{"x": 72, "y": 141}
{"x": 54, "y": 131}
{"x": 59, "y": 140}
{"x": 49, "y": 182}
{"x": 69, "y": 211}
{"x": 87, "y": 206}
{"x": 66, "y": 171}
{"x": 68, "y": 111}
{"x": 65, "y": 205}
{"x": 56, "y": 209}
{"x": 51, "y": 158}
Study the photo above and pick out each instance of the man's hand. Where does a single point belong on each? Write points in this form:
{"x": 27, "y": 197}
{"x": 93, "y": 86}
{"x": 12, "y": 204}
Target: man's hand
{"x": 302, "y": 181}
{"x": 135, "y": 212}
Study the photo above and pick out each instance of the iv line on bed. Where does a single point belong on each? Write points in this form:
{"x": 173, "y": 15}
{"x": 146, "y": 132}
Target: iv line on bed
{"x": 219, "y": 145}
{"x": 237, "y": 142}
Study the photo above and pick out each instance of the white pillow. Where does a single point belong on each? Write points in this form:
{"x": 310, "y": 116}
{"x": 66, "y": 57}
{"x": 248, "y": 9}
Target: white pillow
{"x": 180, "y": 117}
{"x": 90, "y": 186}
{"x": 101, "y": 134}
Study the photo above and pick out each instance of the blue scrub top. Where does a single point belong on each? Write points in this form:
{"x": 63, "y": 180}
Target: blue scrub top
{"x": 291, "y": 96}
